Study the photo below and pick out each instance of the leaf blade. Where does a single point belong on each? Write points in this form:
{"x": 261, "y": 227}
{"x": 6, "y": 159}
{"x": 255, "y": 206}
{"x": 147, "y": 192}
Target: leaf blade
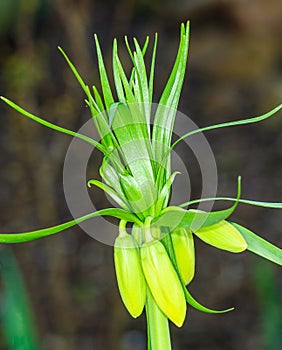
{"x": 259, "y": 246}
{"x": 53, "y": 126}
{"x": 107, "y": 92}
{"x": 32, "y": 235}
{"x": 228, "y": 124}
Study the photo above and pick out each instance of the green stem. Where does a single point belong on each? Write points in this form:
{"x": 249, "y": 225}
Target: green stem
{"x": 157, "y": 326}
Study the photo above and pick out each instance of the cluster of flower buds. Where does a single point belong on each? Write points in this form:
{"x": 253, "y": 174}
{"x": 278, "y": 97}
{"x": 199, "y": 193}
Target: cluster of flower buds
{"x": 143, "y": 260}
{"x": 149, "y": 264}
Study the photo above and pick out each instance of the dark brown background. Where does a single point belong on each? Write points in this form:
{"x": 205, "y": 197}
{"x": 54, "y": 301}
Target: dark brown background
{"x": 234, "y": 70}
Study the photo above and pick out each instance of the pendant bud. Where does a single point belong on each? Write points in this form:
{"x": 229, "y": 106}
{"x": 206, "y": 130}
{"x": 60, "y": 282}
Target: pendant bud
{"x": 224, "y": 236}
{"x": 130, "y": 277}
{"x": 163, "y": 281}
{"x": 183, "y": 245}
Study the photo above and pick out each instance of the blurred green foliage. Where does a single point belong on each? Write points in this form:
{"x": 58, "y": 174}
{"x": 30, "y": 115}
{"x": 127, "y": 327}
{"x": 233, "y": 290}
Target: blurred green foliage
{"x": 270, "y": 303}
{"x": 16, "y": 319}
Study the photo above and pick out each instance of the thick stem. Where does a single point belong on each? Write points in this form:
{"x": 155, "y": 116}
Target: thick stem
{"x": 157, "y": 326}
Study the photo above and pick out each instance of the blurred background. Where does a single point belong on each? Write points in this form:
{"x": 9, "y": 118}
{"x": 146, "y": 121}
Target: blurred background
{"x": 60, "y": 292}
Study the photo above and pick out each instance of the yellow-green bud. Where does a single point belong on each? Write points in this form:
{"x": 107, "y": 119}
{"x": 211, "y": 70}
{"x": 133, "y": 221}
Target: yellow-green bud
{"x": 133, "y": 193}
{"x": 183, "y": 245}
{"x": 130, "y": 188}
{"x": 223, "y": 236}
{"x": 163, "y": 281}
{"x": 130, "y": 277}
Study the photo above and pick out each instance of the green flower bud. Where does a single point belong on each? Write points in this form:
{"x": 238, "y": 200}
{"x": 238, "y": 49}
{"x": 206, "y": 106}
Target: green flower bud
{"x": 224, "y": 236}
{"x": 183, "y": 244}
{"x": 163, "y": 281}
{"x": 130, "y": 188}
{"x": 130, "y": 277}
{"x": 133, "y": 193}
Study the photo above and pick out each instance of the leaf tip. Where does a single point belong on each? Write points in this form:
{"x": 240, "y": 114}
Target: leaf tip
{"x": 230, "y": 309}
{"x": 96, "y": 39}
{"x": 89, "y": 183}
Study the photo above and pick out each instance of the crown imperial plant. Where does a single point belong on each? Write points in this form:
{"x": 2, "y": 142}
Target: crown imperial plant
{"x": 156, "y": 262}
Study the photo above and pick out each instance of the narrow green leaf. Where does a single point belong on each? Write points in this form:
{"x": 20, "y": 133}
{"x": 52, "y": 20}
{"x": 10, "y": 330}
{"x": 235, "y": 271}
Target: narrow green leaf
{"x": 152, "y": 70}
{"x": 260, "y": 246}
{"x": 99, "y": 117}
{"x": 128, "y": 48}
{"x": 273, "y": 205}
{"x": 32, "y": 235}
{"x": 53, "y": 126}
{"x": 173, "y": 88}
{"x": 121, "y": 79}
{"x": 95, "y": 109}
{"x": 193, "y": 302}
{"x": 144, "y": 49}
{"x": 117, "y": 78}
{"x": 74, "y": 70}
{"x": 107, "y": 93}
{"x": 227, "y": 124}
{"x": 218, "y": 126}
{"x": 145, "y": 46}
{"x": 166, "y": 111}
{"x": 142, "y": 92}
{"x": 98, "y": 99}
{"x": 137, "y": 89}
{"x": 142, "y": 78}
{"x": 91, "y": 105}
{"x": 117, "y": 197}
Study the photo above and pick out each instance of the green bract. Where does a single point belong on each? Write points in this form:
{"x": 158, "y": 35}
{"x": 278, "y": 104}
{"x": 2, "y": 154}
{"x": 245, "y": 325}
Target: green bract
{"x": 156, "y": 262}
